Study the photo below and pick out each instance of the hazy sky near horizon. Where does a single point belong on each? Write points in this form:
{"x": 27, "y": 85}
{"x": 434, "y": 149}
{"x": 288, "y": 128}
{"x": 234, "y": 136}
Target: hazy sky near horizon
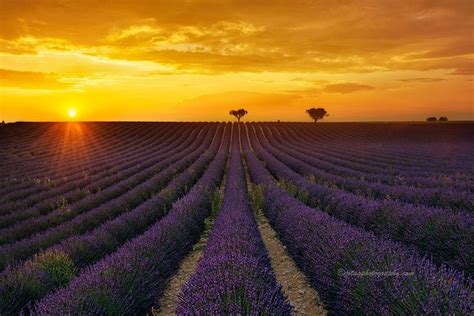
{"x": 196, "y": 60}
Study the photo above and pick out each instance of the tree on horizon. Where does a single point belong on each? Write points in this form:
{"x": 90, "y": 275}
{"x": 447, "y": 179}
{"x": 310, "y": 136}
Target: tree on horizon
{"x": 317, "y": 113}
{"x": 238, "y": 113}
{"x": 431, "y": 119}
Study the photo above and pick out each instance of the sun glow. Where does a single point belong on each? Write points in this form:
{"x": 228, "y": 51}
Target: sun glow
{"x": 72, "y": 113}
{"x": 134, "y": 61}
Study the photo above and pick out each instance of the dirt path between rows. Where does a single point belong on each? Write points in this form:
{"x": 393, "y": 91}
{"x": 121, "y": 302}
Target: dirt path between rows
{"x": 169, "y": 300}
{"x": 302, "y": 296}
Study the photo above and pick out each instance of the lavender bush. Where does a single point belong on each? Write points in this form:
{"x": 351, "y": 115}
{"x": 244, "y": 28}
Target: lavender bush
{"x": 234, "y": 276}
{"x": 354, "y": 271}
{"x": 443, "y": 234}
{"x": 128, "y": 281}
{"x": 17, "y": 291}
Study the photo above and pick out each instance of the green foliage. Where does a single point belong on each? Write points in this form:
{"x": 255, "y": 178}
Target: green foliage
{"x": 238, "y": 113}
{"x": 45, "y": 271}
{"x": 105, "y": 301}
{"x": 63, "y": 205}
{"x": 57, "y": 265}
{"x": 217, "y": 199}
{"x": 216, "y": 202}
{"x": 317, "y": 113}
{"x": 256, "y": 196}
{"x": 311, "y": 178}
{"x": 297, "y": 192}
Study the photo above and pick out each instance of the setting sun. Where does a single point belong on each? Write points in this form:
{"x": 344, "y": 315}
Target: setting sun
{"x": 72, "y": 113}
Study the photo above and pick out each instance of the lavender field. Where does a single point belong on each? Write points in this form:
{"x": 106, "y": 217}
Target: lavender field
{"x": 101, "y": 218}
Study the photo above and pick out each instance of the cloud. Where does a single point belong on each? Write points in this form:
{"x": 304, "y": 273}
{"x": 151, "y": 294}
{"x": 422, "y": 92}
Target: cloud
{"x": 464, "y": 71}
{"x": 422, "y": 80}
{"x": 31, "y": 80}
{"x": 291, "y": 35}
{"x": 344, "y": 88}
{"x": 309, "y": 80}
{"x": 204, "y": 61}
{"x": 133, "y": 34}
{"x": 31, "y": 45}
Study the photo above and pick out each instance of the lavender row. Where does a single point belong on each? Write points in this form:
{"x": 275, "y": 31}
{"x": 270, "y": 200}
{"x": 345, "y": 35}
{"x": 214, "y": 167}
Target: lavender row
{"x": 96, "y": 169}
{"x": 40, "y": 152}
{"x": 443, "y": 234}
{"x": 344, "y": 167}
{"x": 386, "y": 155}
{"x": 94, "y": 178}
{"x": 365, "y": 153}
{"x": 41, "y": 177}
{"x": 69, "y": 138}
{"x": 37, "y": 148}
{"x": 327, "y": 137}
{"x": 356, "y": 272}
{"x": 86, "y": 221}
{"x": 434, "y": 197}
{"x": 18, "y": 284}
{"x": 234, "y": 276}
{"x": 356, "y": 154}
{"x": 128, "y": 281}
{"x": 395, "y": 135}
{"x": 124, "y": 182}
{"x": 24, "y": 132}
{"x": 89, "y": 166}
{"x": 69, "y": 211}
{"x": 95, "y": 163}
{"x": 378, "y": 152}
{"x": 47, "y": 145}
{"x": 78, "y": 190}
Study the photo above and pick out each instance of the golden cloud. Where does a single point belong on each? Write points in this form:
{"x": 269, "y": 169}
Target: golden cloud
{"x": 31, "y": 80}
{"x": 294, "y": 35}
{"x": 425, "y": 80}
{"x": 344, "y": 88}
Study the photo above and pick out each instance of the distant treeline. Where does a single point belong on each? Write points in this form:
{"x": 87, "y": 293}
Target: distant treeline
{"x": 434, "y": 119}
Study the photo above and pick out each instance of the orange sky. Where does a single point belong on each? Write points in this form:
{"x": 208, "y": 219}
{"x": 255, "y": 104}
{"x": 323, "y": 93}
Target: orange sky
{"x": 196, "y": 60}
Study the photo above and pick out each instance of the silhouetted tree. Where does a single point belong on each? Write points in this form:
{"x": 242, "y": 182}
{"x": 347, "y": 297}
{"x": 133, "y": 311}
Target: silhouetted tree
{"x": 443, "y": 119}
{"x": 238, "y": 113}
{"x": 3, "y": 123}
{"x": 317, "y": 113}
{"x": 431, "y": 119}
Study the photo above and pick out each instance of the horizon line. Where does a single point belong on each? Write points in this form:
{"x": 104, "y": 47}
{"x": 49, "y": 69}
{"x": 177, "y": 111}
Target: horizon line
{"x": 231, "y": 121}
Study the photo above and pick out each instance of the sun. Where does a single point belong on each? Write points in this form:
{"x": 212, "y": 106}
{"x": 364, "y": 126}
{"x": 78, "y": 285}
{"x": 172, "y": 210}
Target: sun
{"x": 72, "y": 113}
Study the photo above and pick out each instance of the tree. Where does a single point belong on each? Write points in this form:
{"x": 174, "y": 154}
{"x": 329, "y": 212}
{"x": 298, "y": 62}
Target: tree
{"x": 238, "y": 113}
{"x": 431, "y": 119}
{"x": 443, "y": 119}
{"x": 317, "y": 114}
